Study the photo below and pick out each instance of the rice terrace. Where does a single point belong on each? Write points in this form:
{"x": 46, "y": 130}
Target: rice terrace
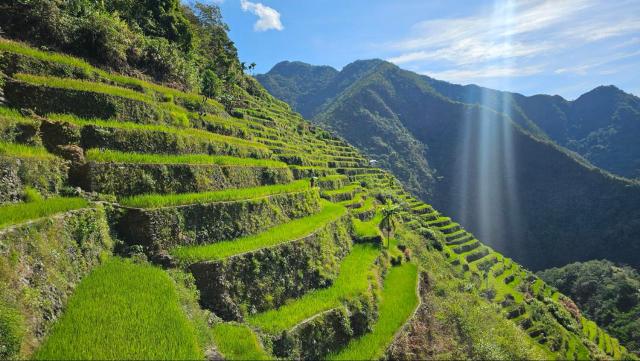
{"x": 159, "y": 200}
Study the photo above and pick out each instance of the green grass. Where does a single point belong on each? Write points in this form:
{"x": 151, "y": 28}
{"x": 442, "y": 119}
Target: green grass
{"x": 347, "y": 189}
{"x": 228, "y": 195}
{"x": 399, "y": 300}
{"x": 83, "y": 85}
{"x": 21, "y": 212}
{"x": 293, "y": 230}
{"x": 368, "y": 229}
{"x": 24, "y": 151}
{"x": 13, "y": 115}
{"x": 332, "y": 178}
{"x": 105, "y": 156}
{"x": 89, "y": 71}
{"x": 238, "y": 342}
{"x": 355, "y": 272}
{"x": 123, "y": 310}
{"x": 22, "y": 49}
{"x": 366, "y": 206}
{"x": 178, "y": 114}
{"x": 190, "y": 132}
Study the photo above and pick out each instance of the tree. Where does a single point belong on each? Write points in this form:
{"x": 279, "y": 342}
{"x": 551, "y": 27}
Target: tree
{"x": 389, "y": 222}
{"x": 211, "y": 84}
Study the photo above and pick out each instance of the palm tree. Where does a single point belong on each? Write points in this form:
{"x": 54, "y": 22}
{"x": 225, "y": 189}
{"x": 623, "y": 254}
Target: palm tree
{"x": 389, "y": 222}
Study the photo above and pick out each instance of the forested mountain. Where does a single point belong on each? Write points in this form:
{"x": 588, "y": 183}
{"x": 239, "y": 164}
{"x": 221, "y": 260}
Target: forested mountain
{"x": 497, "y": 171}
{"x": 606, "y": 293}
{"x": 601, "y": 125}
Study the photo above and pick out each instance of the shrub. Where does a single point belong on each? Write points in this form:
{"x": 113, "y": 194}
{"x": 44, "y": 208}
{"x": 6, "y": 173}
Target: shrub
{"x": 105, "y": 38}
{"x": 162, "y": 60}
{"x": 31, "y": 195}
{"x": 11, "y": 332}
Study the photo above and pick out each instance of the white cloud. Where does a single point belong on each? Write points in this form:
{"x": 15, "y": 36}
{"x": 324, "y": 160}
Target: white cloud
{"x": 586, "y": 68}
{"x": 268, "y": 18}
{"x": 466, "y": 75}
{"x": 514, "y": 35}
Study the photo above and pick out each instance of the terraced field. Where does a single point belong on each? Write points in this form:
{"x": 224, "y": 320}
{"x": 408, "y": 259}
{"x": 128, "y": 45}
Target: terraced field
{"x": 261, "y": 219}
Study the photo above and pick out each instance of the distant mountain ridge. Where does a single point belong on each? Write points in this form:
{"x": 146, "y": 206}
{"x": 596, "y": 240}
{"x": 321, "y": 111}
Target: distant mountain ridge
{"x": 601, "y": 125}
{"x": 430, "y": 133}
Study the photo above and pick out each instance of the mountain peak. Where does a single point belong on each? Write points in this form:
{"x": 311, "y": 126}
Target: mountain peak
{"x": 289, "y": 68}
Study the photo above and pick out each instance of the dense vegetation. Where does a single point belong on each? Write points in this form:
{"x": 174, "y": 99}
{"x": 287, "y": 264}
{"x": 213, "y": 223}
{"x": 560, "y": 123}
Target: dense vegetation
{"x": 183, "y": 247}
{"x": 528, "y": 180}
{"x": 606, "y": 293}
{"x": 165, "y": 40}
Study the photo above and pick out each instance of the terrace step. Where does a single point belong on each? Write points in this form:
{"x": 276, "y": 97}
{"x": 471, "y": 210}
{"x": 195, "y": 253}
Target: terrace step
{"x": 399, "y": 300}
{"x": 466, "y": 238}
{"x": 47, "y": 95}
{"x": 333, "y": 182}
{"x": 324, "y": 320}
{"x": 467, "y": 247}
{"x": 301, "y": 172}
{"x": 127, "y": 174}
{"x": 132, "y": 137}
{"x": 160, "y": 223}
{"x": 478, "y": 255}
{"x": 26, "y": 166}
{"x": 357, "y": 171}
{"x": 368, "y": 231}
{"x": 454, "y": 236}
{"x": 439, "y": 222}
{"x": 422, "y": 209}
{"x": 451, "y": 228}
{"x": 284, "y": 262}
{"x": 343, "y": 194}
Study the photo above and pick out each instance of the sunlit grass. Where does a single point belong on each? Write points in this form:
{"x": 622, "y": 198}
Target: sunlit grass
{"x": 14, "y": 115}
{"x": 21, "y": 212}
{"x": 368, "y": 229}
{"x": 355, "y": 272}
{"x": 123, "y": 310}
{"x": 191, "y": 132}
{"x": 19, "y": 48}
{"x": 238, "y": 342}
{"x": 83, "y": 85}
{"x": 24, "y": 151}
{"x": 105, "y": 156}
{"x": 293, "y": 230}
{"x": 399, "y": 300}
{"x": 347, "y": 189}
{"x": 227, "y": 195}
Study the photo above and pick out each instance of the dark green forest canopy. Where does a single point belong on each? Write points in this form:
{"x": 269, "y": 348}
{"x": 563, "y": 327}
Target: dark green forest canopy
{"x": 162, "y": 39}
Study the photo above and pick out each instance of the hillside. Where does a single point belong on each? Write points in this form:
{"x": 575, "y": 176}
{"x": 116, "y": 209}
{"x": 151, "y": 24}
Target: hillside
{"x": 226, "y": 206}
{"x": 606, "y": 293}
{"x": 601, "y": 125}
{"x": 501, "y": 176}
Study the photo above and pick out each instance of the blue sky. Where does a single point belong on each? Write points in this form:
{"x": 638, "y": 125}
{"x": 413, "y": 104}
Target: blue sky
{"x": 564, "y": 47}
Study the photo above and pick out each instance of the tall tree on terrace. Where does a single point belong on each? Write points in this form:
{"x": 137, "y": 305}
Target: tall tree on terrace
{"x": 389, "y": 221}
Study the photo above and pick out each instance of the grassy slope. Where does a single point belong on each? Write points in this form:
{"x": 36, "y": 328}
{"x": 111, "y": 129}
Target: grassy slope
{"x": 97, "y": 155}
{"x": 399, "y": 300}
{"x": 238, "y": 342}
{"x": 123, "y": 310}
{"x": 191, "y": 132}
{"x": 24, "y": 151}
{"x": 352, "y": 280}
{"x": 293, "y": 230}
{"x": 227, "y": 195}
{"x": 16, "y": 213}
